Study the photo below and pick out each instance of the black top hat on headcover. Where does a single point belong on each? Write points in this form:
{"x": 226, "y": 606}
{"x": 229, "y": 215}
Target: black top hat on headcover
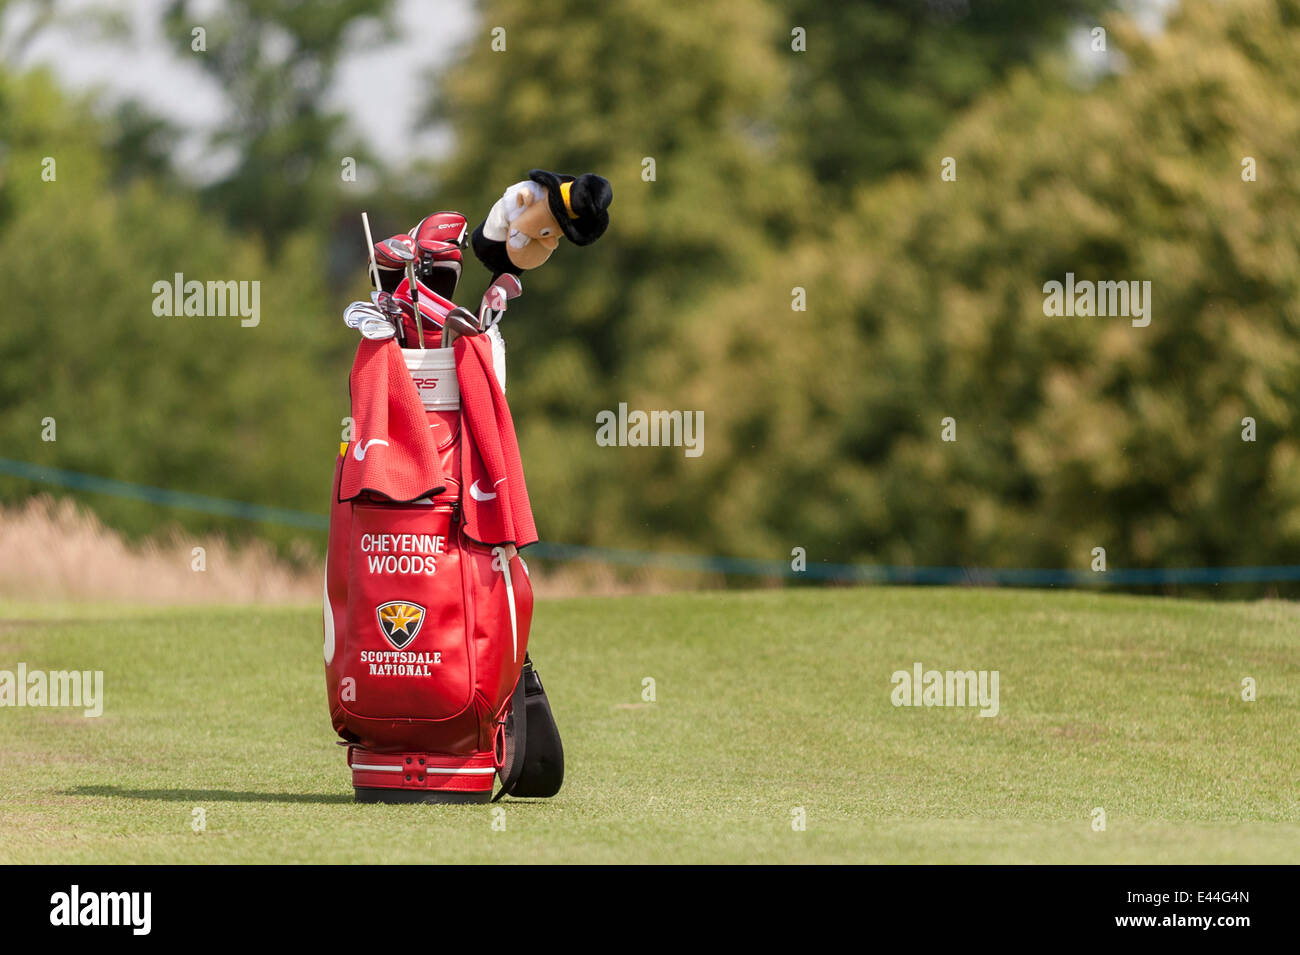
{"x": 578, "y": 204}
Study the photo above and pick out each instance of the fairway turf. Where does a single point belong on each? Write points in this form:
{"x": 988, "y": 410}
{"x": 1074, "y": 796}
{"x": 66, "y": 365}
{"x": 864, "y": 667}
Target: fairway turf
{"x": 765, "y": 702}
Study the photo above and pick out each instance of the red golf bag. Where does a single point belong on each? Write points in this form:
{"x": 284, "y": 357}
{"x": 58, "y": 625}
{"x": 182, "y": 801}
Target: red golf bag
{"x": 426, "y": 627}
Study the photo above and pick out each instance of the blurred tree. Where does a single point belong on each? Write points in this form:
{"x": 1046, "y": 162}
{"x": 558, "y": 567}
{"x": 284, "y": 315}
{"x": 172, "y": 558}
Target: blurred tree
{"x": 199, "y": 404}
{"x": 881, "y": 80}
{"x": 822, "y": 427}
{"x": 679, "y": 109}
{"x": 1071, "y": 433}
{"x": 141, "y": 145}
{"x": 743, "y": 133}
{"x": 274, "y": 60}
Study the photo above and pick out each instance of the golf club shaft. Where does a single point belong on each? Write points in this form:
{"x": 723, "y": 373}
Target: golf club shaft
{"x": 374, "y": 271}
{"x": 415, "y": 300}
{"x": 370, "y": 249}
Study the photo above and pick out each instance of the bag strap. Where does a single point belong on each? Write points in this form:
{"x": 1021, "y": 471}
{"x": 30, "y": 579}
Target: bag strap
{"x": 502, "y": 561}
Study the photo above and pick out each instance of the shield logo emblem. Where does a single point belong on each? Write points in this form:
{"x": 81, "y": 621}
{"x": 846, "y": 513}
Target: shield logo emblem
{"x": 400, "y": 621}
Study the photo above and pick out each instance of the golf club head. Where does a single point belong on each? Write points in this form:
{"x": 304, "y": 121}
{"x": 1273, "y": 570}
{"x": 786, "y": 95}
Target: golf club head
{"x": 394, "y": 308}
{"x": 354, "y": 314}
{"x": 493, "y": 306}
{"x": 461, "y": 321}
{"x": 370, "y": 321}
{"x": 511, "y": 284}
{"x": 494, "y": 299}
{"x": 395, "y": 251}
{"x": 377, "y": 328}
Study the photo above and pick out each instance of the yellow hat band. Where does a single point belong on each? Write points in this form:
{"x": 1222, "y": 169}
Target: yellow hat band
{"x": 564, "y": 194}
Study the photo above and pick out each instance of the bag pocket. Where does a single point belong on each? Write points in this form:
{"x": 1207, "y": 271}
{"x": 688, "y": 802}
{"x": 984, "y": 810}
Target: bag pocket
{"x": 502, "y": 614}
{"x": 408, "y": 649}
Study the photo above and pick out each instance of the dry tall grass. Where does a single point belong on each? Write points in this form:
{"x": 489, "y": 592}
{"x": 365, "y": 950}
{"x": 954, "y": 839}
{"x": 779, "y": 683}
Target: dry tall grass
{"x": 55, "y": 551}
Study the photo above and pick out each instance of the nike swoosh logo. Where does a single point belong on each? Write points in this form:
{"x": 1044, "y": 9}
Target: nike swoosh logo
{"x": 478, "y": 495}
{"x": 363, "y": 446}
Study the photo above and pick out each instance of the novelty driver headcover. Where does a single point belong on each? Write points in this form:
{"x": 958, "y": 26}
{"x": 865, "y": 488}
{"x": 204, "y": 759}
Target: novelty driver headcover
{"x": 525, "y": 225}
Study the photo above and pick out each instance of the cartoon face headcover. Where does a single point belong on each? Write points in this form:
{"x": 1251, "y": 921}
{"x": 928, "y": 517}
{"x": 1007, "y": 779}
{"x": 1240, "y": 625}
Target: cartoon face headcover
{"x": 527, "y": 222}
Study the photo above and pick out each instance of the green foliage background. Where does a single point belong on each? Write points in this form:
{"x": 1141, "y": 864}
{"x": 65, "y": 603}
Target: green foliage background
{"x": 773, "y": 169}
{"x": 193, "y": 404}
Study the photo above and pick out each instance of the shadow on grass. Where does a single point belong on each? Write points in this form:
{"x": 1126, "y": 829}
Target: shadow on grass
{"x": 206, "y": 795}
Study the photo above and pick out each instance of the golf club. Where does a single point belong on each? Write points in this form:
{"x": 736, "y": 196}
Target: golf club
{"x": 503, "y": 288}
{"x": 370, "y": 250}
{"x": 370, "y": 321}
{"x": 377, "y": 328}
{"x": 415, "y": 299}
{"x": 392, "y": 308}
{"x": 352, "y": 315}
{"x": 395, "y": 308}
{"x": 401, "y": 252}
{"x": 460, "y": 322}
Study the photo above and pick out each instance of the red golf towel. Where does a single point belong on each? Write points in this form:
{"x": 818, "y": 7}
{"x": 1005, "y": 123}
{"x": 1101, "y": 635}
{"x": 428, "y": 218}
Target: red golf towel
{"x": 494, "y": 498}
{"x": 393, "y": 454}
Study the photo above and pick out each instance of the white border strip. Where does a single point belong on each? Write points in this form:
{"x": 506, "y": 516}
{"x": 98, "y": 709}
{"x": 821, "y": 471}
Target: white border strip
{"x": 429, "y": 770}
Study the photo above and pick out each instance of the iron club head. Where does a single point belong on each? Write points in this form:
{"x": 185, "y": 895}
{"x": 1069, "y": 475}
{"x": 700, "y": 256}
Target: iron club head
{"x": 353, "y": 314}
{"x": 377, "y": 328}
{"x": 370, "y": 321}
{"x": 459, "y": 322}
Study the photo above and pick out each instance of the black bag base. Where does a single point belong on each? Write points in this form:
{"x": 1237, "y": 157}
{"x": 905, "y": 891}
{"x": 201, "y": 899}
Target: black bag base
{"x": 542, "y": 772}
{"x": 394, "y": 796}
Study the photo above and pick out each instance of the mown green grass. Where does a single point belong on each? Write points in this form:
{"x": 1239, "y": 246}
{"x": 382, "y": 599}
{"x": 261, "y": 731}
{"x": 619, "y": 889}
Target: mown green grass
{"x": 766, "y": 701}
